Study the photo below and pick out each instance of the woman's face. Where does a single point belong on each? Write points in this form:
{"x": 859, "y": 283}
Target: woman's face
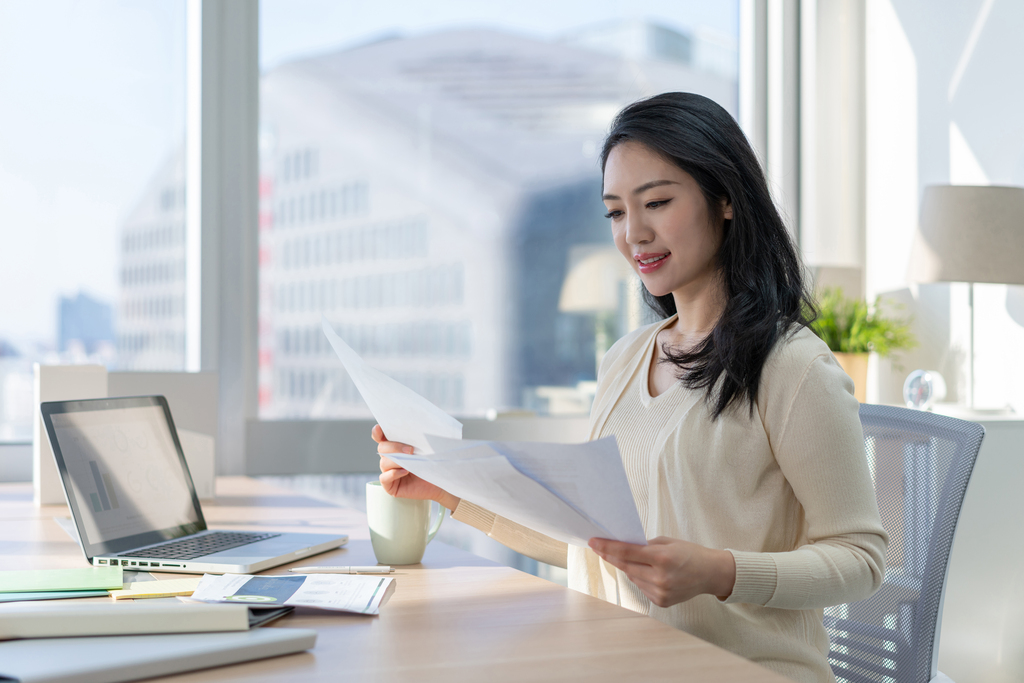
{"x": 660, "y": 221}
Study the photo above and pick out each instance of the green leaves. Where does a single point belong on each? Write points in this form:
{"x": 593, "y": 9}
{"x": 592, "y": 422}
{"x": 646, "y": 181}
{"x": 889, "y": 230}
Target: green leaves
{"x": 850, "y": 326}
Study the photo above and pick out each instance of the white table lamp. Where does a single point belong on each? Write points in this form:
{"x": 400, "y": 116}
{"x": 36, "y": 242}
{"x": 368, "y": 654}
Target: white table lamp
{"x": 970, "y": 234}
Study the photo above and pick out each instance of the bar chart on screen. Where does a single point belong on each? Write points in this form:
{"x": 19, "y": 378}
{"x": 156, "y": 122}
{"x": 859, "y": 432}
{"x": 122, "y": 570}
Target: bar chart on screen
{"x": 105, "y": 497}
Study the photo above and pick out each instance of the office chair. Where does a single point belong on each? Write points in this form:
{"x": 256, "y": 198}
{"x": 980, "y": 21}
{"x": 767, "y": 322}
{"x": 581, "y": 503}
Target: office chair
{"x": 920, "y": 463}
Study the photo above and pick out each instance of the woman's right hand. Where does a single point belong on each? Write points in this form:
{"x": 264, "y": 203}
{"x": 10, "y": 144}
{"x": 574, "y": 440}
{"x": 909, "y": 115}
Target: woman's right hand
{"x": 400, "y": 482}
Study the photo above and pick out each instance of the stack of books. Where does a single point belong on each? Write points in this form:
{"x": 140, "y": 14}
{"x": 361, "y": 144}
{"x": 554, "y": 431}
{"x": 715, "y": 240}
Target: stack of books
{"x": 108, "y": 640}
{"x": 54, "y": 584}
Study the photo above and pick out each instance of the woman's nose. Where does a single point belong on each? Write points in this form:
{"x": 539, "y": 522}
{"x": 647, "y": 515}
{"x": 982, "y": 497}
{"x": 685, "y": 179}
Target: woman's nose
{"x": 637, "y": 231}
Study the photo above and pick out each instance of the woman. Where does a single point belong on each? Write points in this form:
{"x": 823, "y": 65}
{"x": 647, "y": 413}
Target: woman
{"x": 738, "y": 430}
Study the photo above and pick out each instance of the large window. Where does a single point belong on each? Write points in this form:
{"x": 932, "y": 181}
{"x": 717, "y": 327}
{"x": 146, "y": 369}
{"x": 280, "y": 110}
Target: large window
{"x": 429, "y": 181}
{"x": 92, "y": 100}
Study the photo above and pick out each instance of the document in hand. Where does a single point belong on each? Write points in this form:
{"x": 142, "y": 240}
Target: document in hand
{"x": 404, "y": 415}
{"x": 569, "y": 492}
{"x": 340, "y": 592}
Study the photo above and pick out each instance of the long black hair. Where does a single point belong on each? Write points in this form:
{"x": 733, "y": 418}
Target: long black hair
{"x": 758, "y": 263}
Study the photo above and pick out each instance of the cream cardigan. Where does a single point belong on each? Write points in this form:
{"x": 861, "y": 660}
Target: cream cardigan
{"x": 786, "y": 489}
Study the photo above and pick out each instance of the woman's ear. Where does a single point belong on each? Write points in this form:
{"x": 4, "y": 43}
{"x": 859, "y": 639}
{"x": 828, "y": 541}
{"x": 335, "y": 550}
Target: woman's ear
{"x": 726, "y": 209}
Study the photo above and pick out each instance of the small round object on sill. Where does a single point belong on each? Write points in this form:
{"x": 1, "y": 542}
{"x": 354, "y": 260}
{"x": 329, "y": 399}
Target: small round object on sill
{"x": 923, "y": 388}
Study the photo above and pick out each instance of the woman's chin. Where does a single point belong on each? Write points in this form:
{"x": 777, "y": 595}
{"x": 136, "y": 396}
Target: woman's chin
{"x": 656, "y": 291}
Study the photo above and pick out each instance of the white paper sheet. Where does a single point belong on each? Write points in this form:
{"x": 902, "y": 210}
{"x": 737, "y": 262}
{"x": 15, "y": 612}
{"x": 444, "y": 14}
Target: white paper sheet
{"x": 489, "y": 480}
{"x": 404, "y": 415}
{"x": 569, "y": 492}
{"x": 588, "y": 477}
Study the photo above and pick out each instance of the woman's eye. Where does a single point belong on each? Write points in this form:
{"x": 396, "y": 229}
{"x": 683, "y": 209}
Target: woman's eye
{"x": 615, "y": 213}
{"x": 656, "y": 204}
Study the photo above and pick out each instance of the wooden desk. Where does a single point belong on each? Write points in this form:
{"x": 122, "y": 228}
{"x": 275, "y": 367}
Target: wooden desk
{"x": 455, "y": 617}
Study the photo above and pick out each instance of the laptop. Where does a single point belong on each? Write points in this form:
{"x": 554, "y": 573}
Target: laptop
{"x": 131, "y": 495}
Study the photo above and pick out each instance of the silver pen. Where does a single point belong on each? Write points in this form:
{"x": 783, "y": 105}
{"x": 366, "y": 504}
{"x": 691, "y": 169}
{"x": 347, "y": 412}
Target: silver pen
{"x": 379, "y": 569}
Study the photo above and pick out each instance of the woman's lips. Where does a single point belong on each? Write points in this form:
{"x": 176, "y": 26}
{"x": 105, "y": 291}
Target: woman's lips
{"x": 648, "y": 263}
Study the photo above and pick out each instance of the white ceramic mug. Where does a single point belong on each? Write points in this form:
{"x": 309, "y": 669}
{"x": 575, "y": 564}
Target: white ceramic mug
{"x": 400, "y": 528}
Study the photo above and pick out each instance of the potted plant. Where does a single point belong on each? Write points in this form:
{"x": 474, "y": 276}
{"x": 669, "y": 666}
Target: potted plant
{"x": 852, "y": 330}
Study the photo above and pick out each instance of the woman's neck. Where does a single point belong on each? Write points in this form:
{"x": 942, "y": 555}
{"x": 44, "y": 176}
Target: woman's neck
{"x": 697, "y": 313}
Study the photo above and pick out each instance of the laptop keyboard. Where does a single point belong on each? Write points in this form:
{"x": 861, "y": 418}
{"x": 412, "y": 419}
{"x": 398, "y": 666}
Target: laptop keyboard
{"x": 191, "y": 548}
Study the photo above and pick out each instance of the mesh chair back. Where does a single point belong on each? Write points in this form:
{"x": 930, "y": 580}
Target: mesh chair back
{"x": 920, "y": 463}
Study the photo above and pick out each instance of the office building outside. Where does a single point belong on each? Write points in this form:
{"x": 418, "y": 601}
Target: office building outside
{"x": 151, "y": 306}
{"x": 431, "y": 196}
{"x": 85, "y": 324}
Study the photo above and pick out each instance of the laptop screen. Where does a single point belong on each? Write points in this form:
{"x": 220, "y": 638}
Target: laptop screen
{"x": 123, "y": 471}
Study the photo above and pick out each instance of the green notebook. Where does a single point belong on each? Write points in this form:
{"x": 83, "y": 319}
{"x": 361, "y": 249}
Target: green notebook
{"x": 51, "y": 595}
{"x": 38, "y": 580}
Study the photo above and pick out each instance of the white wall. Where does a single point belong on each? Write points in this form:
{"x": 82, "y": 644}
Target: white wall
{"x": 943, "y": 105}
{"x": 982, "y": 638}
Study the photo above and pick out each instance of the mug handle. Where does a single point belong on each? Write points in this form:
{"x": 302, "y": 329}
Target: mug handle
{"x": 437, "y": 524}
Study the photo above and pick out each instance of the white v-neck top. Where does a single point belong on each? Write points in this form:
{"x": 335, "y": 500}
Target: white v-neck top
{"x": 633, "y": 423}
{"x": 638, "y": 424}
{"x": 786, "y": 488}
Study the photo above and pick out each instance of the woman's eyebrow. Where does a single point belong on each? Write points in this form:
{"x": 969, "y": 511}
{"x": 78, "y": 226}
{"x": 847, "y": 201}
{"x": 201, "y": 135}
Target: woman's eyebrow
{"x": 642, "y": 188}
{"x": 654, "y": 183}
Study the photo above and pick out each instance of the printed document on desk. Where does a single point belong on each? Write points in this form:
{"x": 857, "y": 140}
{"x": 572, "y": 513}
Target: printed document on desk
{"x": 339, "y": 592}
{"x": 569, "y": 492}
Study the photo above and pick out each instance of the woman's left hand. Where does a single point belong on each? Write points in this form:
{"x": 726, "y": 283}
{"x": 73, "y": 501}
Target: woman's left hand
{"x": 670, "y": 571}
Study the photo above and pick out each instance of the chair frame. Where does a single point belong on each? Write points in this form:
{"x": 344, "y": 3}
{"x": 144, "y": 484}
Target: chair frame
{"x": 927, "y": 610}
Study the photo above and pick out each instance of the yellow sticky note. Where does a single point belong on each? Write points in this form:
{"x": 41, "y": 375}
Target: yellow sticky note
{"x": 167, "y": 588}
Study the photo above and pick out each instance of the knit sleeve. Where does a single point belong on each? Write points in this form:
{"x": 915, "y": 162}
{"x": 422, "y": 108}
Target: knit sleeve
{"x": 813, "y": 426}
{"x": 515, "y": 536}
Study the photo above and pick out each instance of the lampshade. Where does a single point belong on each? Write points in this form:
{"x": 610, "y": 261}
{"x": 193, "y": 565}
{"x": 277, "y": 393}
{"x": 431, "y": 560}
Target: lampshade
{"x": 969, "y": 234}
{"x": 592, "y": 282}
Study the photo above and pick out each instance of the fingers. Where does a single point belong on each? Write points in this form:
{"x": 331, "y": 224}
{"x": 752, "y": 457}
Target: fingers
{"x": 631, "y": 566}
{"x": 393, "y": 447}
{"x": 661, "y": 540}
{"x": 636, "y": 571}
{"x": 639, "y": 562}
{"x": 626, "y": 552}
{"x": 656, "y": 593}
{"x": 668, "y": 571}
{"x": 389, "y": 477}
{"x": 640, "y": 565}
{"x": 390, "y": 465}
{"x": 385, "y": 446}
